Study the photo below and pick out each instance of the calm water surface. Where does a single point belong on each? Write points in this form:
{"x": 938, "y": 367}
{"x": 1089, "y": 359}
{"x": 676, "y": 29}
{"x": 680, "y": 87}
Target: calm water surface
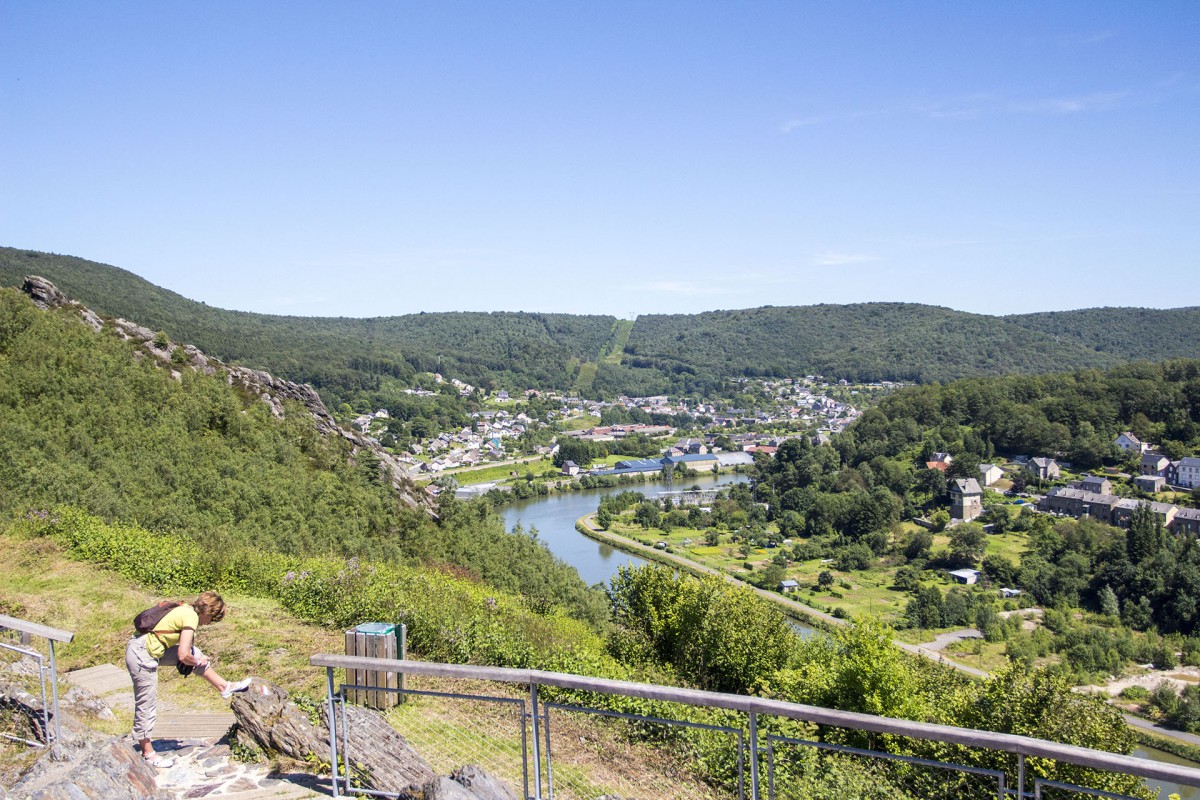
{"x": 554, "y": 518}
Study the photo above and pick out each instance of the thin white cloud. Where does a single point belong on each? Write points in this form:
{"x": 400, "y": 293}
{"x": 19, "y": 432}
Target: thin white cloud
{"x": 1096, "y": 101}
{"x": 986, "y": 104}
{"x": 683, "y": 288}
{"x": 836, "y": 259}
{"x": 1084, "y": 38}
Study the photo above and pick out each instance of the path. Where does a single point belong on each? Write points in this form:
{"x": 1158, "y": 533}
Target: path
{"x": 203, "y": 765}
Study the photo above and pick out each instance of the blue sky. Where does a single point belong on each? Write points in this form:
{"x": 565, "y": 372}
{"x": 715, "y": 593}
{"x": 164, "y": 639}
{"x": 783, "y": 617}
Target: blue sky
{"x": 378, "y": 158}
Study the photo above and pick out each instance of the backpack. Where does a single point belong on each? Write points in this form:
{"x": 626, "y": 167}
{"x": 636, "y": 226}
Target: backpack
{"x": 149, "y": 618}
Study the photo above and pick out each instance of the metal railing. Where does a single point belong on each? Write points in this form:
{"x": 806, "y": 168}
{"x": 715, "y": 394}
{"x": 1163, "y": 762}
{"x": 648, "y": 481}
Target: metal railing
{"x": 757, "y": 735}
{"x": 46, "y": 673}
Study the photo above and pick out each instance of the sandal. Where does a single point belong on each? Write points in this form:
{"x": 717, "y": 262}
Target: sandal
{"x": 161, "y": 762}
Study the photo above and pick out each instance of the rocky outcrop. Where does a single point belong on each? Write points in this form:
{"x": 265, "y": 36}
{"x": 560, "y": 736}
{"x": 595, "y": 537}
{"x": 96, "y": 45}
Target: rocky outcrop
{"x": 110, "y": 769}
{"x": 275, "y": 392}
{"x": 84, "y": 764}
{"x": 380, "y": 757}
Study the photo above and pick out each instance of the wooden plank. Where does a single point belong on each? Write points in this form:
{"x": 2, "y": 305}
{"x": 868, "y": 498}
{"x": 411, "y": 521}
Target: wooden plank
{"x": 192, "y": 726}
{"x": 391, "y": 679}
{"x": 45, "y": 631}
{"x": 101, "y": 679}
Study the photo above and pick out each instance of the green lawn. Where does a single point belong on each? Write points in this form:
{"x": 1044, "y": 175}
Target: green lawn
{"x": 869, "y": 591}
{"x": 579, "y": 423}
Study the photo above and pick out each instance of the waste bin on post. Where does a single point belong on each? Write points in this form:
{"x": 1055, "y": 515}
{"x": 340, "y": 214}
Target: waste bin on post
{"x": 374, "y": 640}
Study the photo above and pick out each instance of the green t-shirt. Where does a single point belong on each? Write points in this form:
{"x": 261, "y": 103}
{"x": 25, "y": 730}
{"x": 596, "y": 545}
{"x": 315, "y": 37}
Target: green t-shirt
{"x": 179, "y": 619}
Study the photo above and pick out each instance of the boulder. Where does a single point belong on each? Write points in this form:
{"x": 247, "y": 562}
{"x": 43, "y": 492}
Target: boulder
{"x": 379, "y": 756}
{"x": 108, "y": 769}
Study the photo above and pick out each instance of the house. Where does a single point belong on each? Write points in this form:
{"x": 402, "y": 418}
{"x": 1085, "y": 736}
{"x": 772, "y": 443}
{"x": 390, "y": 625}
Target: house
{"x": 966, "y": 499}
{"x": 966, "y": 576}
{"x": 788, "y": 586}
{"x": 1097, "y": 484}
{"x": 1154, "y": 464}
{"x": 1130, "y": 443}
{"x": 941, "y": 466}
{"x": 570, "y": 468}
{"x": 1043, "y": 468}
{"x": 1187, "y": 472}
{"x": 1006, "y": 592}
{"x": 990, "y": 473}
{"x": 1150, "y": 483}
{"x": 1078, "y": 503}
{"x": 945, "y": 458}
{"x": 1187, "y": 520}
{"x": 1122, "y": 513}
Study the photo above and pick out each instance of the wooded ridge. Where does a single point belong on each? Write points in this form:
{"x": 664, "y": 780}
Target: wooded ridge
{"x": 677, "y": 353}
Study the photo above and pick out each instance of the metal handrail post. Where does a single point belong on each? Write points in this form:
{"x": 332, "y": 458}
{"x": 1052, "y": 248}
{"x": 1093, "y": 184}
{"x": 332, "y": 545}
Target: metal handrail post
{"x": 754, "y": 756}
{"x": 54, "y": 751}
{"x": 537, "y": 759}
{"x": 1020, "y": 776}
{"x": 333, "y": 753}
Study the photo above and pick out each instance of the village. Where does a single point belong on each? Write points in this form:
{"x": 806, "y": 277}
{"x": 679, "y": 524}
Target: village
{"x": 504, "y": 432}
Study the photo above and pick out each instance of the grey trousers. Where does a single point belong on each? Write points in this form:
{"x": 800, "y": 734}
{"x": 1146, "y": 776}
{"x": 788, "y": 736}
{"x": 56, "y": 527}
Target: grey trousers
{"x": 143, "y": 669}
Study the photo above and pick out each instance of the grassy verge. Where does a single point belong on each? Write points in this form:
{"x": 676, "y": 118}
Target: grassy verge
{"x": 1168, "y": 745}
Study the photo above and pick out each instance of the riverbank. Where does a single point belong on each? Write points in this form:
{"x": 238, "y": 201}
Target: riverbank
{"x": 587, "y": 526}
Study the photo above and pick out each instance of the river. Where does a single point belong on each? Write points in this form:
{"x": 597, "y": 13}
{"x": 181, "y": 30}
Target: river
{"x": 554, "y": 518}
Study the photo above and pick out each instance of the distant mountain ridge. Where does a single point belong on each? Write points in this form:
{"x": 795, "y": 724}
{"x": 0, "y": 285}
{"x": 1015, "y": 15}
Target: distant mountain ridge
{"x": 664, "y": 352}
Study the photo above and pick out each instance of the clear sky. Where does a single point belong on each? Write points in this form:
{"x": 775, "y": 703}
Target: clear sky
{"x": 378, "y": 158}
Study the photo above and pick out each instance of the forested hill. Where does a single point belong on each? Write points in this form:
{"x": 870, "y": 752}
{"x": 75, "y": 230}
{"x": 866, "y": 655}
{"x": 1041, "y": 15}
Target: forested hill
{"x": 340, "y": 355}
{"x": 679, "y": 353}
{"x": 899, "y": 341}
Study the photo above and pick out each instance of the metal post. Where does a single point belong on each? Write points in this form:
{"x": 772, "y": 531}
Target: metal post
{"x": 753, "y": 755}
{"x": 333, "y": 754}
{"x": 537, "y": 759}
{"x": 1020, "y": 776}
{"x": 50, "y": 739}
{"x": 54, "y": 689}
{"x": 549, "y": 761}
{"x": 345, "y": 739}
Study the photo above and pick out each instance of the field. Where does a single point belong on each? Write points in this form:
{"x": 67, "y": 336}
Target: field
{"x": 855, "y": 592}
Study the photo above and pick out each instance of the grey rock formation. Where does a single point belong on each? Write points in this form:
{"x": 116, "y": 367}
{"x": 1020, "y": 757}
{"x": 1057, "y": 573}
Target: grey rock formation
{"x": 44, "y": 293}
{"x": 380, "y": 757}
{"x": 110, "y": 769}
{"x": 481, "y": 785}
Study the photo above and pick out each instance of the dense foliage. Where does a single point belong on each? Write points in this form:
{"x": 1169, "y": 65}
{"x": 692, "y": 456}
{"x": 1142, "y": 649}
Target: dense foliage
{"x": 340, "y": 356}
{"x": 897, "y": 341}
{"x": 601, "y": 356}
{"x": 83, "y": 422}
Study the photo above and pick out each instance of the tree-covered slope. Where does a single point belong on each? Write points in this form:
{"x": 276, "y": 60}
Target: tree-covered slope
{"x": 336, "y": 354}
{"x": 679, "y": 353}
{"x": 1129, "y": 333}
{"x": 88, "y": 420}
{"x": 904, "y": 341}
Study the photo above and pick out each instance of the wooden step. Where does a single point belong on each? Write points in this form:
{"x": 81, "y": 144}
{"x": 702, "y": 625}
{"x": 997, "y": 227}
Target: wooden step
{"x": 192, "y": 725}
{"x": 283, "y": 792}
{"x": 101, "y": 680}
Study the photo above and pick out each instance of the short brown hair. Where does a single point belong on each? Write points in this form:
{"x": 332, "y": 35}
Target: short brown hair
{"x": 211, "y": 603}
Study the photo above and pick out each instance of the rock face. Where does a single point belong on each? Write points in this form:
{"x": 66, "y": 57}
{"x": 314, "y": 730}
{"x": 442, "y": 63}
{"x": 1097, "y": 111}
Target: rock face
{"x": 108, "y": 770}
{"x": 271, "y": 390}
{"x": 381, "y": 758}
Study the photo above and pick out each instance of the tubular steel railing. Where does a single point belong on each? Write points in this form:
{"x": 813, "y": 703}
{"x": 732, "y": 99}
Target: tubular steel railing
{"x": 755, "y": 741}
{"x": 47, "y": 673}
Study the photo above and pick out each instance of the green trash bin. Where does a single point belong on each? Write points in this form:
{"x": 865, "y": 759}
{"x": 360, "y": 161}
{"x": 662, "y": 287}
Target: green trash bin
{"x": 373, "y": 640}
